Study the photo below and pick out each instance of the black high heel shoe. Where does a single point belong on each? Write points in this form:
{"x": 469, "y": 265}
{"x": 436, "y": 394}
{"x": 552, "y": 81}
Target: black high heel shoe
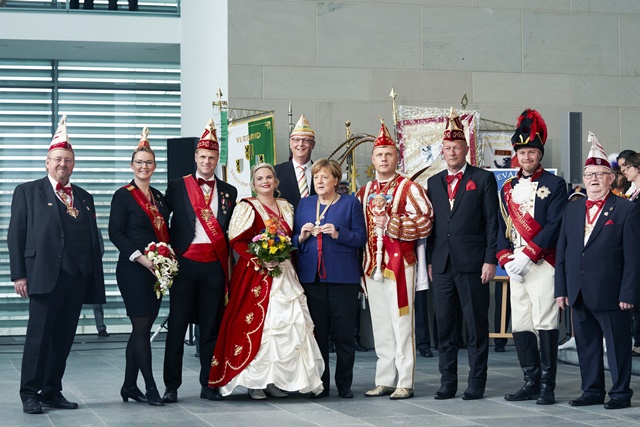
{"x": 153, "y": 397}
{"x": 132, "y": 393}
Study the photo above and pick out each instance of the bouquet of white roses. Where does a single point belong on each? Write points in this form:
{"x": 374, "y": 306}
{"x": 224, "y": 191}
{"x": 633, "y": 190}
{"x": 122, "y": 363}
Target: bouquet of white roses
{"x": 165, "y": 265}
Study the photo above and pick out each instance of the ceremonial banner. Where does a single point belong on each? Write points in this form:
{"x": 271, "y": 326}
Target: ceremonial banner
{"x": 420, "y": 131}
{"x": 497, "y": 149}
{"x": 250, "y": 142}
{"x": 220, "y": 120}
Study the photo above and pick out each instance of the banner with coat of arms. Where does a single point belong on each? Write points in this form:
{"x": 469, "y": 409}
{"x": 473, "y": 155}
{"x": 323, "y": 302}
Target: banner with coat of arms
{"x": 249, "y": 142}
{"x": 420, "y": 131}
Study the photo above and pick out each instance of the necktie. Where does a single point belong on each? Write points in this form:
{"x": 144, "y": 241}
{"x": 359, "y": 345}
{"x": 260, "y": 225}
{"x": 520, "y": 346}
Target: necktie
{"x": 592, "y": 203}
{"x": 202, "y": 181}
{"x": 302, "y": 182}
{"x": 450, "y": 178}
{"x": 63, "y": 189}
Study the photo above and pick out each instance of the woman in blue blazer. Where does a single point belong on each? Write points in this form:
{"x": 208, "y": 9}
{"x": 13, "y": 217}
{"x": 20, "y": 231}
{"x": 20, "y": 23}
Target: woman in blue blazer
{"x": 329, "y": 230}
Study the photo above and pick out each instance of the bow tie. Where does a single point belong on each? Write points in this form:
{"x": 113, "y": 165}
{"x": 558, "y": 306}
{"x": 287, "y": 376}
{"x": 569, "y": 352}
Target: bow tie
{"x": 61, "y": 187}
{"x": 457, "y": 176}
{"x": 211, "y": 183}
{"x": 592, "y": 203}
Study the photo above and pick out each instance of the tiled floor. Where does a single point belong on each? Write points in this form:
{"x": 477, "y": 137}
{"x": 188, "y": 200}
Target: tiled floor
{"x": 95, "y": 370}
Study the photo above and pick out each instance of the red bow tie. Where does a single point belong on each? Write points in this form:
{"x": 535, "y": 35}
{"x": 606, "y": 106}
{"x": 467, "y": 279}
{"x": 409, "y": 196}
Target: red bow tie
{"x": 211, "y": 183}
{"x": 592, "y": 203}
{"x": 457, "y": 176}
{"x": 61, "y": 187}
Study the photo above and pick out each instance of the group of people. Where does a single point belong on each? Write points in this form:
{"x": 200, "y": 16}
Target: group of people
{"x": 266, "y": 325}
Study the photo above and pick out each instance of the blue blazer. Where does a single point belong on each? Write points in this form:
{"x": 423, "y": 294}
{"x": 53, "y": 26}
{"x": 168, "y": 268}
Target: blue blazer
{"x": 341, "y": 260}
{"x": 606, "y": 271}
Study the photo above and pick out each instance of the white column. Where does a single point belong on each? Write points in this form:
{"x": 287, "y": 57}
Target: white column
{"x": 204, "y": 61}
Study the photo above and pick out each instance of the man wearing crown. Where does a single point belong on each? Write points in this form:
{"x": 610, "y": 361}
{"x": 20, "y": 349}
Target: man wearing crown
{"x": 397, "y": 214}
{"x": 202, "y": 206}
{"x": 295, "y": 175}
{"x": 56, "y": 261}
{"x": 531, "y": 206}
{"x": 461, "y": 253}
{"x": 597, "y": 273}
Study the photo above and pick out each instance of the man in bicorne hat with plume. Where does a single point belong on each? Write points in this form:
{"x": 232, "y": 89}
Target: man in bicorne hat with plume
{"x": 202, "y": 206}
{"x": 397, "y": 214}
{"x": 531, "y": 206}
{"x": 56, "y": 261}
{"x": 597, "y": 274}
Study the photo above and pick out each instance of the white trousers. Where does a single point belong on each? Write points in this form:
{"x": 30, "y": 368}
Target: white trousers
{"x": 533, "y": 305}
{"x": 393, "y": 334}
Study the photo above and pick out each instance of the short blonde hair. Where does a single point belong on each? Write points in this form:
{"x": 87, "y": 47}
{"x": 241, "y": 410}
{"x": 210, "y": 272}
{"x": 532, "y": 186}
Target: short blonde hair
{"x": 331, "y": 165}
{"x": 258, "y": 166}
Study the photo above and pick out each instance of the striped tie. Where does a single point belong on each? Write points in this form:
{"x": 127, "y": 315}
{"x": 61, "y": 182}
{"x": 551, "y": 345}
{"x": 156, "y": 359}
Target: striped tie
{"x": 302, "y": 182}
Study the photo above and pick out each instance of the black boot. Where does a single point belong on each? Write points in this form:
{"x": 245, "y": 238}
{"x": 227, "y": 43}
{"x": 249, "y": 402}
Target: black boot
{"x": 548, "y": 366}
{"x": 529, "y": 357}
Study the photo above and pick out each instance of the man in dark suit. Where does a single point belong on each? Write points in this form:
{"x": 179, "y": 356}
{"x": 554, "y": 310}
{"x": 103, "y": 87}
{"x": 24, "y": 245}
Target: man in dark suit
{"x": 202, "y": 206}
{"x": 295, "y": 175}
{"x": 532, "y": 204}
{"x": 54, "y": 251}
{"x": 461, "y": 257}
{"x": 597, "y": 274}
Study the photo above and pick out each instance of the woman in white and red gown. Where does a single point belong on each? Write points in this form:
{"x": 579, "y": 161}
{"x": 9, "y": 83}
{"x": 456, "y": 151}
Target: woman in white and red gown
{"x": 266, "y": 341}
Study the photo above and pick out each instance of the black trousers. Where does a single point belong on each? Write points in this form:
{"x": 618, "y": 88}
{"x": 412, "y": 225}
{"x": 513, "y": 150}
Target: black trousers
{"x": 53, "y": 319}
{"x": 589, "y": 328}
{"x": 452, "y": 289}
{"x": 421, "y": 307}
{"x": 333, "y": 308}
{"x": 196, "y": 296}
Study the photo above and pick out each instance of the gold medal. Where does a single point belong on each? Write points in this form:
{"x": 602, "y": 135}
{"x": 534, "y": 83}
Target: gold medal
{"x": 72, "y": 211}
{"x": 206, "y": 214}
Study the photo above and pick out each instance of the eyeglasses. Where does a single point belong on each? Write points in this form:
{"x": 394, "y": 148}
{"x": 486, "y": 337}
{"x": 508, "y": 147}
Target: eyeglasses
{"x": 148, "y": 163}
{"x": 305, "y": 140}
{"x": 624, "y": 167}
{"x": 65, "y": 160}
{"x": 599, "y": 175}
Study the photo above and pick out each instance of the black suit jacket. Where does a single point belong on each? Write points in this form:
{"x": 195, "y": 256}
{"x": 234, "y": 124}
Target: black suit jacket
{"x": 130, "y": 228}
{"x": 606, "y": 270}
{"x": 183, "y": 222}
{"x": 468, "y": 232}
{"x": 36, "y": 238}
{"x": 288, "y": 187}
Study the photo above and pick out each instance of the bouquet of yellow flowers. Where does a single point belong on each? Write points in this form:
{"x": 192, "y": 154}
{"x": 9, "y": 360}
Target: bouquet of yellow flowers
{"x": 165, "y": 265}
{"x": 271, "y": 245}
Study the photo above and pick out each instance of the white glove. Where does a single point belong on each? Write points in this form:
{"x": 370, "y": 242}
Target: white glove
{"x": 509, "y": 268}
{"x": 520, "y": 264}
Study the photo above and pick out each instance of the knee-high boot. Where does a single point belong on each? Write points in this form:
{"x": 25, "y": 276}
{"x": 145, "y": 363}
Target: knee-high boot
{"x": 548, "y": 366}
{"x": 529, "y": 357}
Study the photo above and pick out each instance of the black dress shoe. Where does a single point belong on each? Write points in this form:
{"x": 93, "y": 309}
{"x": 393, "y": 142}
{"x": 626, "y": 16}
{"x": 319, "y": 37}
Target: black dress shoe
{"x": 586, "y": 400}
{"x": 616, "y": 403}
{"x": 57, "y": 401}
{"x": 323, "y": 393}
{"x": 210, "y": 393}
{"x": 426, "y": 353}
{"x": 530, "y": 390}
{"x": 31, "y": 406}
{"x": 153, "y": 397}
{"x": 499, "y": 348}
{"x": 470, "y": 394}
{"x": 446, "y": 392}
{"x": 132, "y": 393}
{"x": 170, "y": 395}
{"x": 103, "y": 333}
{"x": 345, "y": 393}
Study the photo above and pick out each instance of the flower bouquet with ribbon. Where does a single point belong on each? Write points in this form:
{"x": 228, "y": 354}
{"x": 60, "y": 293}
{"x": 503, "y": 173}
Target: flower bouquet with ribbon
{"x": 271, "y": 245}
{"x": 165, "y": 266}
